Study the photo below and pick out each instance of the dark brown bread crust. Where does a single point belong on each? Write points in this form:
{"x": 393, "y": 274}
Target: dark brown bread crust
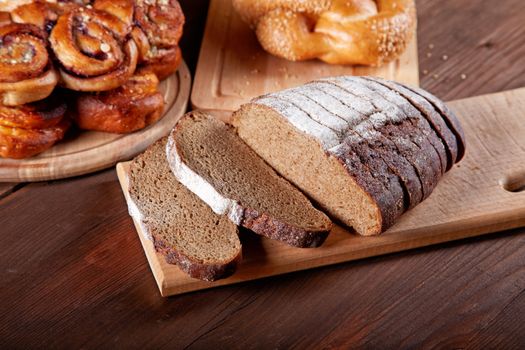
{"x": 196, "y": 269}
{"x": 346, "y": 155}
{"x": 260, "y": 223}
{"x": 410, "y": 142}
{"x": 375, "y": 164}
{"x": 447, "y": 114}
{"x": 433, "y": 117}
{"x": 407, "y": 173}
{"x": 400, "y": 166}
{"x": 380, "y": 170}
{"x": 413, "y": 115}
{"x": 272, "y": 228}
{"x": 418, "y": 153}
{"x": 397, "y": 164}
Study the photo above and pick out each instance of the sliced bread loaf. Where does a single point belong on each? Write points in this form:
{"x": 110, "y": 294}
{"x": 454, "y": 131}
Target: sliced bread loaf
{"x": 209, "y": 158}
{"x": 182, "y": 227}
{"x": 349, "y": 170}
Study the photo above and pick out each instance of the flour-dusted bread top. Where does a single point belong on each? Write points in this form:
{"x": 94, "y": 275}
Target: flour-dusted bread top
{"x": 209, "y": 158}
{"x": 182, "y": 227}
{"x": 400, "y": 137}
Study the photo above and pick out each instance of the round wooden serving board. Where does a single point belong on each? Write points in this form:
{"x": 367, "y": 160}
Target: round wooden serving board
{"x": 89, "y": 151}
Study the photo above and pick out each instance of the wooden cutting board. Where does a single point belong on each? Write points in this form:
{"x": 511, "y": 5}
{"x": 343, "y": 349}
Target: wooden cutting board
{"x": 484, "y": 193}
{"x": 89, "y": 151}
{"x": 233, "y": 68}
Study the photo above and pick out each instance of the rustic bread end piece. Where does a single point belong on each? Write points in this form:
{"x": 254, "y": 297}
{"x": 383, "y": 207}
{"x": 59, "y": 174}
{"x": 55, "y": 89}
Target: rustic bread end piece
{"x": 209, "y": 158}
{"x": 327, "y": 178}
{"x": 182, "y": 227}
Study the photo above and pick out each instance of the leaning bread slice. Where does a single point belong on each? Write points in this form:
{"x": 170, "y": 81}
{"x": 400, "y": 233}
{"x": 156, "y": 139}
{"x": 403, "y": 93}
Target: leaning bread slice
{"x": 182, "y": 227}
{"x": 334, "y": 176}
{"x": 209, "y": 158}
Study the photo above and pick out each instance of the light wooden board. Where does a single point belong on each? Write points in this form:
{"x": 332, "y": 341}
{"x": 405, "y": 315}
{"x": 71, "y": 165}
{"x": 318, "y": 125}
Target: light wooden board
{"x": 233, "y": 68}
{"x": 482, "y": 194}
{"x": 89, "y": 151}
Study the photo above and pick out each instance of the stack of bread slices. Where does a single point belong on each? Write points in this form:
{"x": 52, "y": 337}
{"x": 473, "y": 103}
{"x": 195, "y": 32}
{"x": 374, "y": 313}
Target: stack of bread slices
{"x": 362, "y": 150}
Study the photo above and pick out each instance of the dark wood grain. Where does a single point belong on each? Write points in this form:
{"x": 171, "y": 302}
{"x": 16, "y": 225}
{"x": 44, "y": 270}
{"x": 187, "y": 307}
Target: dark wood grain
{"x": 73, "y": 273}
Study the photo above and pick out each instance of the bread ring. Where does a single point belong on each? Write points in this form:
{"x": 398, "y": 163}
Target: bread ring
{"x": 363, "y": 32}
{"x": 131, "y": 107}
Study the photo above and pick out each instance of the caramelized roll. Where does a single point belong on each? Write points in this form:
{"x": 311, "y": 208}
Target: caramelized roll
{"x": 131, "y": 107}
{"x": 157, "y": 33}
{"x": 26, "y": 72}
{"x": 93, "y": 50}
{"x": 36, "y": 115}
{"x": 19, "y": 143}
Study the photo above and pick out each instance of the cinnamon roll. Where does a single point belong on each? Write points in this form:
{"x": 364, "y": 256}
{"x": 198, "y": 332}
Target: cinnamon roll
{"x": 26, "y": 72}
{"x": 131, "y": 107}
{"x": 33, "y": 128}
{"x": 93, "y": 50}
{"x": 157, "y": 33}
{"x": 19, "y": 143}
{"x": 42, "y": 114}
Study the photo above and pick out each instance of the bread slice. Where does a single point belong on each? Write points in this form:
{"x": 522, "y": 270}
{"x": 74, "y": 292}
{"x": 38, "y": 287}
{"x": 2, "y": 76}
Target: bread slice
{"x": 323, "y": 106}
{"x": 409, "y": 141}
{"x": 209, "y": 158}
{"x": 372, "y": 158}
{"x": 182, "y": 227}
{"x": 352, "y": 171}
{"x": 337, "y": 180}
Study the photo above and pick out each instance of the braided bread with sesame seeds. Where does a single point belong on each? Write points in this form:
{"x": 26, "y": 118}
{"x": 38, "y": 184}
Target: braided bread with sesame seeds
{"x": 364, "y": 32}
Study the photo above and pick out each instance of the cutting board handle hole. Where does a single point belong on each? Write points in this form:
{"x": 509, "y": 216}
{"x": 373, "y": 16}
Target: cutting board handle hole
{"x": 514, "y": 183}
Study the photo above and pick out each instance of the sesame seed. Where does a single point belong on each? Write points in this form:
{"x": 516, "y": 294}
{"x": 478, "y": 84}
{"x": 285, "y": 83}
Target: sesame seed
{"x": 429, "y": 54}
{"x": 425, "y": 72}
{"x": 435, "y": 76}
{"x": 463, "y": 76}
{"x": 445, "y": 57}
{"x": 430, "y": 46}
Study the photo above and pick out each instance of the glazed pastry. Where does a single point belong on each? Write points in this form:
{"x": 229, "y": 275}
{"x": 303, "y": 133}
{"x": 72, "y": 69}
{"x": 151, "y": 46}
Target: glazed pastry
{"x": 93, "y": 50}
{"x": 131, "y": 107}
{"x": 33, "y": 128}
{"x": 157, "y": 33}
{"x": 112, "y": 52}
{"x": 37, "y": 115}
{"x": 366, "y": 32}
{"x": 26, "y": 72}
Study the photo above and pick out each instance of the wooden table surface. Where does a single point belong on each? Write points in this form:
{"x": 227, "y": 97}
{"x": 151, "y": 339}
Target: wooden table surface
{"x": 73, "y": 273}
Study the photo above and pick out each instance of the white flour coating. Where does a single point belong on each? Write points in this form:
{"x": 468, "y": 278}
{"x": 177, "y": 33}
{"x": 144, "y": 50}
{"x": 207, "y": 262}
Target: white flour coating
{"x": 379, "y": 102}
{"x": 135, "y": 213}
{"x": 367, "y": 131}
{"x": 314, "y": 110}
{"x": 202, "y": 188}
{"x": 333, "y": 105}
{"x": 328, "y": 138}
{"x": 392, "y": 96}
{"x": 359, "y": 104}
{"x": 408, "y": 109}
